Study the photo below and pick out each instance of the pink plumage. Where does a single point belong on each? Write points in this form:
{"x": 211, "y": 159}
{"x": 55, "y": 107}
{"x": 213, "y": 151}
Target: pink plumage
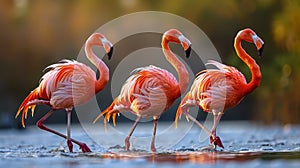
{"x": 151, "y": 90}
{"x": 216, "y": 90}
{"x": 68, "y": 84}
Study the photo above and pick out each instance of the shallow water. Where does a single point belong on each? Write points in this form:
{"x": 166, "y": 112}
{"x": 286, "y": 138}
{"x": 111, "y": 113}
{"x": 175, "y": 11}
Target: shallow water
{"x": 246, "y": 144}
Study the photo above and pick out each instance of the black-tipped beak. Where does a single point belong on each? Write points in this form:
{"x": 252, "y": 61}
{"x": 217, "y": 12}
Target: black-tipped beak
{"x": 188, "y": 52}
{"x": 109, "y": 54}
{"x": 260, "y": 51}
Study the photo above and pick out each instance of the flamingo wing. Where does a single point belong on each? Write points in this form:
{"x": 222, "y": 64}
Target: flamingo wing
{"x": 218, "y": 89}
{"x": 146, "y": 92}
{"x": 67, "y": 83}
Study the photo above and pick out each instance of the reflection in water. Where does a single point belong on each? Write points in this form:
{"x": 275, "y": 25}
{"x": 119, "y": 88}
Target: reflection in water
{"x": 246, "y": 145}
{"x": 197, "y": 157}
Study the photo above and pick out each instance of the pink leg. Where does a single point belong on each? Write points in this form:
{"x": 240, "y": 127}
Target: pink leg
{"x": 127, "y": 143}
{"x": 69, "y": 142}
{"x": 217, "y": 118}
{"x": 41, "y": 125}
{"x": 198, "y": 123}
{"x": 213, "y": 138}
{"x": 153, "y": 149}
{"x": 185, "y": 111}
{"x": 38, "y": 101}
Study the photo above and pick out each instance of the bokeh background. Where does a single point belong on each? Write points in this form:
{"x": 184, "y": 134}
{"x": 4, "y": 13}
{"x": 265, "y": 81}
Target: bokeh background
{"x": 37, "y": 33}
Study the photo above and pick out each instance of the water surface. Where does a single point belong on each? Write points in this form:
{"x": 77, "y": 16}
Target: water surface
{"x": 246, "y": 144}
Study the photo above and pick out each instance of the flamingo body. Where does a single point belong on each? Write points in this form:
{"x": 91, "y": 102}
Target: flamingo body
{"x": 217, "y": 90}
{"x": 68, "y": 84}
{"x": 150, "y": 90}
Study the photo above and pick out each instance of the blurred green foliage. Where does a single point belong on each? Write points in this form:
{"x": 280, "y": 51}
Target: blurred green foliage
{"x": 36, "y": 33}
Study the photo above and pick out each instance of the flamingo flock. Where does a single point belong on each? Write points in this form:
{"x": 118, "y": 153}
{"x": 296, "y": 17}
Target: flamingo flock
{"x": 149, "y": 91}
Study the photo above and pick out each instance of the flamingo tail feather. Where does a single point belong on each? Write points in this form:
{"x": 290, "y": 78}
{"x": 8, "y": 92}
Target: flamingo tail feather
{"x": 180, "y": 110}
{"x": 25, "y": 106}
{"x": 108, "y": 113}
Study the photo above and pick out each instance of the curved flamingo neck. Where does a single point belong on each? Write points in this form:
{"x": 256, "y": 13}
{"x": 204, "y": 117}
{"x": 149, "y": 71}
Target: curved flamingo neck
{"x": 101, "y": 66}
{"x": 178, "y": 65}
{"x": 250, "y": 62}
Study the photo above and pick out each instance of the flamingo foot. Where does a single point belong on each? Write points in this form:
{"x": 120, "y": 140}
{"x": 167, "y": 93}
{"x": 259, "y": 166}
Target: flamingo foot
{"x": 127, "y": 143}
{"x": 70, "y": 145}
{"x": 216, "y": 141}
{"x": 84, "y": 148}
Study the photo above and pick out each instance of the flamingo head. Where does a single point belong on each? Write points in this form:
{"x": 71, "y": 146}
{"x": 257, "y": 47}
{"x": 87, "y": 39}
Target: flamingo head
{"x": 251, "y": 37}
{"x": 99, "y": 39}
{"x": 176, "y": 36}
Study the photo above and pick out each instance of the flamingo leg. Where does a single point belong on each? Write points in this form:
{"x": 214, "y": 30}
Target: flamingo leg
{"x": 41, "y": 125}
{"x": 127, "y": 143}
{"x": 199, "y": 124}
{"x": 38, "y": 101}
{"x": 153, "y": 149}
{"x": 217, "y": 118}
{"x": 69, "y": 142}
{"x": 213, "y": 137}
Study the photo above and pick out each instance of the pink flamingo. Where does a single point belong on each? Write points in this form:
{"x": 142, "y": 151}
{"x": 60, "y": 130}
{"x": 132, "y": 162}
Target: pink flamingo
{"x": 151, "y": 90}
{"x": 216, "y": 90}
{"x": 67, "y": 84}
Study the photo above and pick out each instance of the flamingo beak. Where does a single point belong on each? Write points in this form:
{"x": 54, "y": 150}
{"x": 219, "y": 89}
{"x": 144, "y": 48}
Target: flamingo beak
{"x": 260, "y": 51}
{"x": 186, "y": 44}
{"x": 188, "y": 52}
{"x": 109, "y": 54}
{"x": 259, "y": 43}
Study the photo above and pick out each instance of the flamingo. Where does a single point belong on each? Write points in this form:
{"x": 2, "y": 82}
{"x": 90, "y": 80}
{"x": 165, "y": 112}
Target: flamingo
{"x": 216, "y": 90}
{"x": 151, "y": 90}
{"x": 67, "y": 84}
